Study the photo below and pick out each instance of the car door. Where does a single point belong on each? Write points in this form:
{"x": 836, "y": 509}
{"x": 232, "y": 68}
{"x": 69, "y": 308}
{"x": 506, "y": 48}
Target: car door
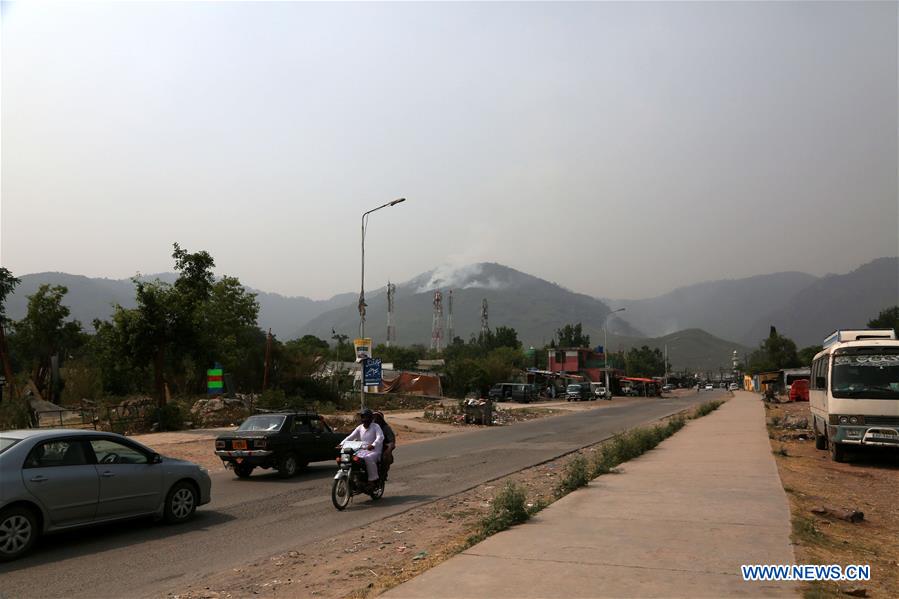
{"x": 323, "y": 441}
{"x": 61, "y": 475}
{"x": 303, "y": 441}
{"x": 130, "y": 484}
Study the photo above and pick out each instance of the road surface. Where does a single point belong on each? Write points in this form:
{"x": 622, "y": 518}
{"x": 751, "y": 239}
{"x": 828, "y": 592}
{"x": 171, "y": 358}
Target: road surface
{"x": 264, "y": 515}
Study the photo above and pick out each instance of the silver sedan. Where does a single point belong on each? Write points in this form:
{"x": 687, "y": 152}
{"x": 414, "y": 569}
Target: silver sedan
{"x": 59, "y": 479}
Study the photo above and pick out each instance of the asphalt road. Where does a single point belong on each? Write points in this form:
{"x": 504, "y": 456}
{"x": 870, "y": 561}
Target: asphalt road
{"x": 264, "y": 515}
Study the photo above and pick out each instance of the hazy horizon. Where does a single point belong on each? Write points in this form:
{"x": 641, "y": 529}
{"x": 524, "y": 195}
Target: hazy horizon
{"x": 619, "y": 150}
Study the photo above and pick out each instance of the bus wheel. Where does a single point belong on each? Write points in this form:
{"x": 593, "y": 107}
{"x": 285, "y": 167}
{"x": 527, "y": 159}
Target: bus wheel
{"x": 837, "y": 452}
{"x": 820, "y": 441}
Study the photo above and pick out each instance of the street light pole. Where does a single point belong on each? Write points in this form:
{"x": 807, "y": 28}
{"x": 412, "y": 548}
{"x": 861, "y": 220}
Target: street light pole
{"x": 362, "y": 289}
{"x": 605, "y": 346}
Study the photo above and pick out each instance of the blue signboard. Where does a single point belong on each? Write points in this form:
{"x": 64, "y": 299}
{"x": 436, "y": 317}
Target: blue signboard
{"x": 371, "y": 372}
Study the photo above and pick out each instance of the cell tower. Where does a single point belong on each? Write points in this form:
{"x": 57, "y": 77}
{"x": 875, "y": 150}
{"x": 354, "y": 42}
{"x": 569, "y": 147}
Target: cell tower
{"x": 485, "y": 326}
{"x": 450, "y": 332}
{"x": 391, "y": 327}
{"x": 437, "y": 326}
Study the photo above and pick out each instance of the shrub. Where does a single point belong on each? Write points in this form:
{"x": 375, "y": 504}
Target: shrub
{"x": 509, "y": 508}
{"x": 707, "y": 408}
{"x": 170, "y": 417}
{"x": 577, "y": 475}
{"x": 13, "y": 414}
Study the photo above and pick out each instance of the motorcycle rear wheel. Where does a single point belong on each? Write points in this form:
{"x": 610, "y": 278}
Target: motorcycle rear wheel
{"x": 340, "y": 493}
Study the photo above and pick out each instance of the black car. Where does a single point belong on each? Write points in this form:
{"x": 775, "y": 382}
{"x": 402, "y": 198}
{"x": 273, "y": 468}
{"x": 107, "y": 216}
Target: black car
{"x": 285, "y": 441}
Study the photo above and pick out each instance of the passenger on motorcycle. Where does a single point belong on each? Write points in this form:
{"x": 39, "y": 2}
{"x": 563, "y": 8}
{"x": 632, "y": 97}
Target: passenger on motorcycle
{"x": 371, "y": 434}
{"x": 389, "y": 439}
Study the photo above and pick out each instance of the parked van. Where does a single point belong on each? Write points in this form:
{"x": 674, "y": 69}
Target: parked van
{"x": 854, "y": 391}
{"x": 502, "y": 391}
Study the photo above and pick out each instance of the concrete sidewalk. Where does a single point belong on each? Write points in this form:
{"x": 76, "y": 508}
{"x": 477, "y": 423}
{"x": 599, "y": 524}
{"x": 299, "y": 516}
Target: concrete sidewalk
{"x": 678, "y": 522}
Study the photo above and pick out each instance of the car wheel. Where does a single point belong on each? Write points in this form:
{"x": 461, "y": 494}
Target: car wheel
{"x": 18, "y": 532}
{"x": 243, "y": 470}
{"x": 288, "y": 466}
{"x": 180, "y": 503}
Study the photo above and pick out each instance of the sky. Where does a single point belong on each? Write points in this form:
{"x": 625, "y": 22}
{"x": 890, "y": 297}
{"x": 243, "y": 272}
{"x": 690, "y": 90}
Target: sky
{"x": 618, "y": 149}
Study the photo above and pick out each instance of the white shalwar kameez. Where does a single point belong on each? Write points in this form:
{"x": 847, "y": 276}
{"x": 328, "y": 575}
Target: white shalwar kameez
{"x": 373, "y": 435}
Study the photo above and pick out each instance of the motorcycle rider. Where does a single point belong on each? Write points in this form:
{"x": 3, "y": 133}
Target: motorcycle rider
{"x": 389, "y": 440}
{"x": 373, "y": 437}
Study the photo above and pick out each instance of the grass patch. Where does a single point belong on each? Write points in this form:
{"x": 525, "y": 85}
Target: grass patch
{"x": 806, "y": 532}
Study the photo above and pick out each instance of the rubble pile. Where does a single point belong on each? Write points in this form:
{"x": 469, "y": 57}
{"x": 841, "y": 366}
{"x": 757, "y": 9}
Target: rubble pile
{"x": 221, "y": 411}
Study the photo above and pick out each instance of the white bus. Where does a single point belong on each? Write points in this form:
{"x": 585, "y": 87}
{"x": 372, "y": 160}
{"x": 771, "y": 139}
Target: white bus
{"x": 854, "y": 391}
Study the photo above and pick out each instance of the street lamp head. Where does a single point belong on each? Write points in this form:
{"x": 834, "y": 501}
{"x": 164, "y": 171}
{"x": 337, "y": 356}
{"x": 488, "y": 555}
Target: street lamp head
{"x": 397, "y": 201}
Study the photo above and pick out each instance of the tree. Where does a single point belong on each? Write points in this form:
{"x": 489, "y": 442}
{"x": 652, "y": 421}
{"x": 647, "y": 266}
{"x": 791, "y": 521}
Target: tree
{"x": 572, "y": 336}
{"x": 507, "y": 337}
{"x": 310, "y": 345}
{"x": 807, "y": 354}
{"x": 775, "y": 353}
{"x": 7, "y": 284}
{"x": 645, "y": 362}
{"x": 887, "y": 319}
{"x": 402, "y": 358}
{"x": 45, "y": 333}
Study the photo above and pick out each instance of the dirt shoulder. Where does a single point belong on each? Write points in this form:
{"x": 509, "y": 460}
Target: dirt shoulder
{"x": 868, "y": 483}
{"x": 366, "y": 562}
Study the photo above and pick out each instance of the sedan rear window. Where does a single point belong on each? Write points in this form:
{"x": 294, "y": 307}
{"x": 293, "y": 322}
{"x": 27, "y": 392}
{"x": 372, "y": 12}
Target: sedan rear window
{"x": 262, "y": 423}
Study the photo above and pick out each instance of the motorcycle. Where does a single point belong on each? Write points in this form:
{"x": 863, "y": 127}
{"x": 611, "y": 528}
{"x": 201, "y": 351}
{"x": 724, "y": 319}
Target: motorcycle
{"x": 352, "y": 477}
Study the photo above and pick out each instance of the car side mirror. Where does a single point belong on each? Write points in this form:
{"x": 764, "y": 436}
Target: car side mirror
{"x": 155, "y": 458}
{"x": 820, "y": 382}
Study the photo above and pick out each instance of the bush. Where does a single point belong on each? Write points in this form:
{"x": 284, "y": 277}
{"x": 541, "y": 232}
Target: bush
{"x": 577, "y": 475}
{"x": 170, "y": 417}
{"x": 272, "y": 399}
{"x": 13, "y": 414}
{"x": 509, "y": 508}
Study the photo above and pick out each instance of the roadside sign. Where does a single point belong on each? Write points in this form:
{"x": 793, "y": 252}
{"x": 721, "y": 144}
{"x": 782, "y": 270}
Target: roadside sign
{"x": 363, "y": 348}
{"x": 214, "y": 381}
{"x": 371, "y": 372}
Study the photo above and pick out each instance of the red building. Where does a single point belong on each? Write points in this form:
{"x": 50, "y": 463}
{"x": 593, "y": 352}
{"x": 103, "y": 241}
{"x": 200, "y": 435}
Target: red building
{"x": 580, "y": 360}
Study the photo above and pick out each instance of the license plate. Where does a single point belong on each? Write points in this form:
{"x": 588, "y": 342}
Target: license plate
{"x": 238, "y": 444}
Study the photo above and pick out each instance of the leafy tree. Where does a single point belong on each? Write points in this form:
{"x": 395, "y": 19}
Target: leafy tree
{"x": 45, "y": 332}
{"x": 807, "y": 354}
{"x": 7, "y": 284}
{"x": 775, "y": 353}
{"x": 310, "y": 345}
{"x": 402, "y": 358}
{"x": 506, "y": 337}
{"x": 229, "y": 334}
{"x": 645, "y": 362}
{"x": 887, "y": 319}
{"x": 464, "y": 375}
{"x": 572, "y": 336}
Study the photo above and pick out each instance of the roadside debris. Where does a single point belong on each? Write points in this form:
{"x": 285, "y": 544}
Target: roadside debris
{"x": 853, "y": 516}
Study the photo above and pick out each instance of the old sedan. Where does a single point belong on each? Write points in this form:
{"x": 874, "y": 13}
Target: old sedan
{"x": 58, "y": 479}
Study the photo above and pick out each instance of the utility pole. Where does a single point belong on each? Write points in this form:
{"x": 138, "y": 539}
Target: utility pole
{"x": 391, "y": 327}
{"x": 605, "y": 347}
{"x": 450, "y": 329}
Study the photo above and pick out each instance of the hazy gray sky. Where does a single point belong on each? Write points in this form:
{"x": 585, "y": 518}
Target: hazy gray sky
{"x": 618, "y": 149}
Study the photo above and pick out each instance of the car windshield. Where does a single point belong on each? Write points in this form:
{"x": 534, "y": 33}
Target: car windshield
{"x": 869, "y": 376}
{"x": 7, "y": 442}
{"x": 574, "y": 388}
{"x": 262, "y": 423}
